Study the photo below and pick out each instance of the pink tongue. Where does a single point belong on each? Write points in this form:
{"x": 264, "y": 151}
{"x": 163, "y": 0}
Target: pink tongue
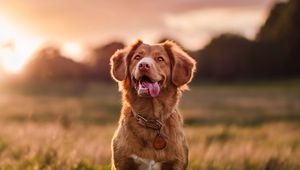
{"x": 153, "y": 88}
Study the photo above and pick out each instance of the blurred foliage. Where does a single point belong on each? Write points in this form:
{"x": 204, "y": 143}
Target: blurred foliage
{"x": 99, "y": 60}
{"x": 282, "y": 28}
{"x": 274, "y": 54}
{"x": 49, "y": 64}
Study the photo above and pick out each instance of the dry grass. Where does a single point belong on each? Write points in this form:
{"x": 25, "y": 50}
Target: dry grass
{"x": 69, "y": 126}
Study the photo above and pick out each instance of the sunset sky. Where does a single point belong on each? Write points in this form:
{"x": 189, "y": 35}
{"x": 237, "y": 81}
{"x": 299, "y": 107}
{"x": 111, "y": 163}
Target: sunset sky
{"x": 25, "y": 25}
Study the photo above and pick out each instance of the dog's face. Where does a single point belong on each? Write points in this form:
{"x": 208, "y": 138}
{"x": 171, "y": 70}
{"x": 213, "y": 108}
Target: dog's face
{"x": 151, "y": 68}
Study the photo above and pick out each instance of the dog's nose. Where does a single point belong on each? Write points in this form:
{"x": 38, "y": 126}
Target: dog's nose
{"x": 143, "y": 66}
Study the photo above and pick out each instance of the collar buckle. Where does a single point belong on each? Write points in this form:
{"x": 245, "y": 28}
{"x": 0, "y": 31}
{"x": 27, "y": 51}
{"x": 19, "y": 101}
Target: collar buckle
{"x": 148, "y": 123}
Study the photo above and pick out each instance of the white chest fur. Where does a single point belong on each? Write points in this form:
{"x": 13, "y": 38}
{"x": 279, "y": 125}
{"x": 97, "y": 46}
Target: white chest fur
{"x": 146, "y": 164}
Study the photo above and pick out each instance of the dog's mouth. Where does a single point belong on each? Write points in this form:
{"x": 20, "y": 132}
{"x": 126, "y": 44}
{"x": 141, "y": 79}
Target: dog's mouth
{"x": 146, "y": 87}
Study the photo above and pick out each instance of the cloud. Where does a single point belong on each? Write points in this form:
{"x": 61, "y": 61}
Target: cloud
{"x": 201, "y": 25}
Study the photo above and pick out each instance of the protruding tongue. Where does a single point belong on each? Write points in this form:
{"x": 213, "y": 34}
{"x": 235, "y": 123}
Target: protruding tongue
{"x": 153, "y": 88}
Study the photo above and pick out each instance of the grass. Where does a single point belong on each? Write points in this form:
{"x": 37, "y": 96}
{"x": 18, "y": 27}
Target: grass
{"x": 228, "y": 126}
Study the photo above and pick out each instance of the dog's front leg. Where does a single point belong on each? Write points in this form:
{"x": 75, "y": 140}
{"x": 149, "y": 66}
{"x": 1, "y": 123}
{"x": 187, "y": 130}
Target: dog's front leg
{"x": 179, "y": 164}
{"x": 119, "y": 159}
{"x": 125, "y": 163}
{"x": 174, "y": 165}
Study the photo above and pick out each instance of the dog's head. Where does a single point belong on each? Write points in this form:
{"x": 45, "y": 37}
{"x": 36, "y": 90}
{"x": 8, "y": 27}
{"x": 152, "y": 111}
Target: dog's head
{"x": 151, "y": 68}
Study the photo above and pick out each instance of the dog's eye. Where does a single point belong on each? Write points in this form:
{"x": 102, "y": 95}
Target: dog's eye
{"x": 137, "y": 57}
{"x": 160, "y": 59}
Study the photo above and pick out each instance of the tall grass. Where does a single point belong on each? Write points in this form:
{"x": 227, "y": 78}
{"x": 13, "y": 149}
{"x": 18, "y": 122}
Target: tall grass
{"x": 69, "y": 126}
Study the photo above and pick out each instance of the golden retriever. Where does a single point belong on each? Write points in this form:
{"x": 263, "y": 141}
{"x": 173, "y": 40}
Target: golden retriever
{"x": 150, "y": 132}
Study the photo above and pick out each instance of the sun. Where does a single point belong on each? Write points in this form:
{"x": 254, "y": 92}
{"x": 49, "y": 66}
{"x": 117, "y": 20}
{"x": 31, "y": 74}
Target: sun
{"x": 16, "y": 53}
{"x": 15, "y": 46}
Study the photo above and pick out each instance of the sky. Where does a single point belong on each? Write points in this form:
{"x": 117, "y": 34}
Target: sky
{"x": 25, "y": 25}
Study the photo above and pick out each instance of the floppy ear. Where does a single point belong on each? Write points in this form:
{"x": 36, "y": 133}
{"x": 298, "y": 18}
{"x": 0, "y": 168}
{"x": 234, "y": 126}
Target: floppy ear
{"x": 183, "y": 66}
{"x": 118, "y": 64}
{"x": 120, "y": 60}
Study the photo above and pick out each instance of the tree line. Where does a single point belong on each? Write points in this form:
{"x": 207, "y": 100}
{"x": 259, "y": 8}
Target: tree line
{"x": 274, "y": 53}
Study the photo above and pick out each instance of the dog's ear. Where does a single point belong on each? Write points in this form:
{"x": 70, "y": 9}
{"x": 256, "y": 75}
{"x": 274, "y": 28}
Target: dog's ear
{"x": 119, "y": 61}
{"x": 183, "y": 66}
{"x": 118, "y": 64}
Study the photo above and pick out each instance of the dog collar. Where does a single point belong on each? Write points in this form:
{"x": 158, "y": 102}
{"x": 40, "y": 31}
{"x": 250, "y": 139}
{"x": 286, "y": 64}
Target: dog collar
{"x": 159, "y": 141}
{"x": 154, "y": 124}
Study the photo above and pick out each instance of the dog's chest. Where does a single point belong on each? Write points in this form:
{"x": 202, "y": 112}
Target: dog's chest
{"x": 146, "y": 164}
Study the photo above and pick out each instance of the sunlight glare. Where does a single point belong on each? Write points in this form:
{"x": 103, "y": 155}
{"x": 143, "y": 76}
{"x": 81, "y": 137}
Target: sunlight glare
{"x": 73, "y": 50}
{"x": 15, "y": 48}
{"x": 13, "y": 58}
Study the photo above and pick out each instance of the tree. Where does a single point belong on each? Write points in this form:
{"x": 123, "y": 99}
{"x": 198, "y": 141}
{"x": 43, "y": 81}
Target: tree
{"x": 99, "y": 60}
{"x": 283, "y": 29}
{"x": 49, "y": 64}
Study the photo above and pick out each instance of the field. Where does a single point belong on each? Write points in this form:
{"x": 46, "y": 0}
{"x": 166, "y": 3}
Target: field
{"x": 228, "y": 126}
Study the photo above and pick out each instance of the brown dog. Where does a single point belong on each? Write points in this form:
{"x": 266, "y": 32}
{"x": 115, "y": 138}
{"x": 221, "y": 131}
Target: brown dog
{"x": 150, "y": 133}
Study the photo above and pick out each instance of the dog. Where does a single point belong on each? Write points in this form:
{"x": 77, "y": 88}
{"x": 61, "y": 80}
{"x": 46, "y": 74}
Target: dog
{"x": 150, "y": 131}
